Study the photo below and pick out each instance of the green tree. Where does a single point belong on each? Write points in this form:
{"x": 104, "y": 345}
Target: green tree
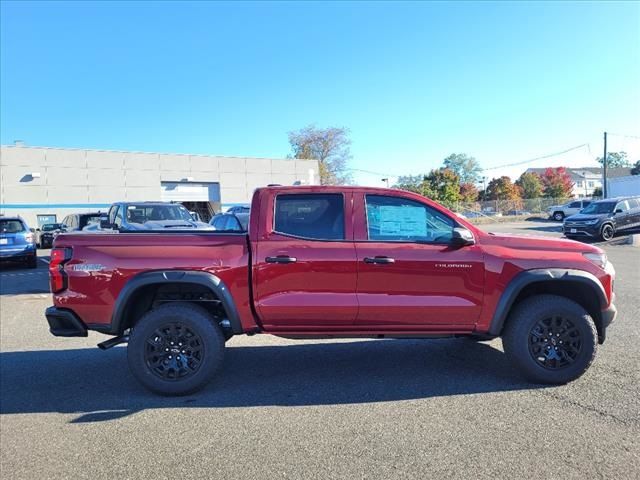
{"x": 444, "y": 185}
{"x": 531, "y": 185}
{"x": 636, "y": 168}
{"x": 467, "y": 168}
{"x": 331, "y": 147}
{"x": 615, "y": 160}
{"x": 502, "y": 189}
{"x": 415, "y": 184}
{"x": 597, "y": 192}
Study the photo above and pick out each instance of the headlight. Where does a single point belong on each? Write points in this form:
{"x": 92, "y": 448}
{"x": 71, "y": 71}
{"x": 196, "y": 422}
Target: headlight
{"x": 599, "y": 259}
{"x": 591, "y": 222}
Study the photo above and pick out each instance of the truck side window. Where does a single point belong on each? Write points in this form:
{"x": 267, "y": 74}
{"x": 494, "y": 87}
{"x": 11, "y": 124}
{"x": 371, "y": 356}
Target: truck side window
{"x": 397, "y": 219}
{"x": 313, "y": 216}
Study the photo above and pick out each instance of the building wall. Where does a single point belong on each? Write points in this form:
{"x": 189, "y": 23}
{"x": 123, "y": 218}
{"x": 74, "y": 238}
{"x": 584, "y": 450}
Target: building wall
{"x": 623, "y": 186}
{"x": 36, "y": 180}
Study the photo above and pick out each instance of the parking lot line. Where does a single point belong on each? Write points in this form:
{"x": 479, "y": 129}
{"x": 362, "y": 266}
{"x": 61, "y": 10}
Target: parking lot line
{"x": 45, "y": 261}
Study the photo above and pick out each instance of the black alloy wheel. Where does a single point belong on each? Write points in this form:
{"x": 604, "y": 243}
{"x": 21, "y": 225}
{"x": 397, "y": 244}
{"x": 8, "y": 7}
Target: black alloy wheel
{"x": 555, "y": 342}
{"x": 607, "y": 232}
{"x": 174, "y": 352}
{"x": 175, "y": 349}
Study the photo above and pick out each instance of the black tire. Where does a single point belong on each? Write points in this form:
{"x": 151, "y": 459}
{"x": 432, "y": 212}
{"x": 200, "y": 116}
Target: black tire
{"x": 194, "y": 357}
{"x": 32, "y": 262}
{"x": 558, "y": 216}
{"x": 607, "y": 232}
{"x": 555, "y": 356}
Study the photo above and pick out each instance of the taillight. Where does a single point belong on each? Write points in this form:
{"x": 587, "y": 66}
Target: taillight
{"x": 57, "y": 275}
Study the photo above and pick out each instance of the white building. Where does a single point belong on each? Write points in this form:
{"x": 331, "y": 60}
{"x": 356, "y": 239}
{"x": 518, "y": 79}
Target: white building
{"x": 586, "y": 180}
{"x": 44, "y": 184}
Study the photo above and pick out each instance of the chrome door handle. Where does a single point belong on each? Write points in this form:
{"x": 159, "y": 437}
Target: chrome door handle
{"x": 281, "y": 259}
{"x": 381, "y": 260}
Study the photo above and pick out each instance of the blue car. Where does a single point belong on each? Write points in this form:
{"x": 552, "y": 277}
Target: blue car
{"x": 17, "y": 242}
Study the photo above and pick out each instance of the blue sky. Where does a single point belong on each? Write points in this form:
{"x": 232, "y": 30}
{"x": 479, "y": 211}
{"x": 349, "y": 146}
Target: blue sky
{"x": 412, "y": 81}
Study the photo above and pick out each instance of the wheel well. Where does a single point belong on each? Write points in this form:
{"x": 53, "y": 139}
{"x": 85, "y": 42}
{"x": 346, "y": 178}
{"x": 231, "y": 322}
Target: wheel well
{"x": 151, "y": 296}
{"x": 579, "y": 292}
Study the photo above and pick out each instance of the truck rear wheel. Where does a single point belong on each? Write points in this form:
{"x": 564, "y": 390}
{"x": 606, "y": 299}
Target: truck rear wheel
{"x": 551, "y": 339}
{"x": 175, "y": 349}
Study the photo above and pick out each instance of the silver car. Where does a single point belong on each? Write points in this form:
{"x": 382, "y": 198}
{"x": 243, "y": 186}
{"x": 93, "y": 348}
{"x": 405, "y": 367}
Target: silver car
{"x": 139, "y": 216}
{"x": 559, "y": 212}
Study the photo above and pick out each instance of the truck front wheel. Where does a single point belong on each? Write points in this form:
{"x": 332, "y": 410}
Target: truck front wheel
{"x": 175, "y": 349}
{"x": 550, "y": 338}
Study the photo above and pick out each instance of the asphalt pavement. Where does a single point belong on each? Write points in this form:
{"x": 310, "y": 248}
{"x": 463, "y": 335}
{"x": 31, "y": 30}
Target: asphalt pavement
{"x": 379, "y": 409}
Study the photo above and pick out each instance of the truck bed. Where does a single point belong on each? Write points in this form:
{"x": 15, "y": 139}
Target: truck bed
{"x": 112, "y": 259}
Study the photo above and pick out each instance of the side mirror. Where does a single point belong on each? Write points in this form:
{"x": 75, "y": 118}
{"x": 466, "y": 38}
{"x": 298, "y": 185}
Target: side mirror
{"x": 105, "y": 225}
{"x": 461, "y": 237}
{"x": 34, "y": 230}
{"x": 619, "y": 210}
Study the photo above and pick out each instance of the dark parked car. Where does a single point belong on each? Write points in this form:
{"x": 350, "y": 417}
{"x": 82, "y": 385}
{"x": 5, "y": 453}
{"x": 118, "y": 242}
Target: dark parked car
{"x": 231, "y": 222}
{"x": 46, "y": 234}
{"x": 17, "y": 242}
{"x": 78, "y": 221}
{"x": 602, "y": 219}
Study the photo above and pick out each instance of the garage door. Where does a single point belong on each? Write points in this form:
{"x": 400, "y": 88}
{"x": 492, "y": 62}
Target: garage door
{"x": 190, "y": 192}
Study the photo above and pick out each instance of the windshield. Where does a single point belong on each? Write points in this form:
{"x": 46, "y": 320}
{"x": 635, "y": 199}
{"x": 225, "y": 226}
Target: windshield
{"x": 11, "y": 226}
{"x": 146, "y": 213}
{"x": 88, "y": 220}
{"x": 606, "y": 207}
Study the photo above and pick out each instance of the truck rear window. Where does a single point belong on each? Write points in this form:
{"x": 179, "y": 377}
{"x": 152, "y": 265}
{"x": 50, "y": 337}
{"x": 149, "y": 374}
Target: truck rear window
{"x": 314, "y": 216}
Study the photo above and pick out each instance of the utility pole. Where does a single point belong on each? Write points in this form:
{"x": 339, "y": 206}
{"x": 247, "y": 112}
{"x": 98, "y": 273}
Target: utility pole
{"x": 604, "y": 168}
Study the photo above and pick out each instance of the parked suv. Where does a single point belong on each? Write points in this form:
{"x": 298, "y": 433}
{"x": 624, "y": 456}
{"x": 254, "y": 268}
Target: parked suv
{"x": 602, "y": 219}
{"x": 136, "y": 216}
{"x": 78, "y": 221}
{"x": 17, "y": 242}
{"x": 559, "y": 212}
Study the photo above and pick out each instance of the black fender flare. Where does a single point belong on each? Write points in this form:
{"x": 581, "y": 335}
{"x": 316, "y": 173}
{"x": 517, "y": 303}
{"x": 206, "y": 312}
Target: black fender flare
{"x": 527, "y": 277}
{"x": 207, "y": 280}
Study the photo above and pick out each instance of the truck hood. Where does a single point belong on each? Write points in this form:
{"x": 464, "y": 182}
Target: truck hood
{"x": 536, "y": 242}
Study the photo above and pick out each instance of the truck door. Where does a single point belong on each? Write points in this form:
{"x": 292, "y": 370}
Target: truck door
{"x": 408, "y": 273}
{"x": 305, "y": 265}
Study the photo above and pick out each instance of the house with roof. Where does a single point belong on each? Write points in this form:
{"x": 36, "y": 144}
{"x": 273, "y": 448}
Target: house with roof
{"x": 587, "y": 179}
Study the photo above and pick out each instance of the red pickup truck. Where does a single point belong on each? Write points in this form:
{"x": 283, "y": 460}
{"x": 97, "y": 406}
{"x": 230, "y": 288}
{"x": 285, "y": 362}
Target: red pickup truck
{"x": 325, "y": 262}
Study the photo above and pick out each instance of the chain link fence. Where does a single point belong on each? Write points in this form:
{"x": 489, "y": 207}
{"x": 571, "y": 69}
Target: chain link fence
{"x": 500, "y": 208}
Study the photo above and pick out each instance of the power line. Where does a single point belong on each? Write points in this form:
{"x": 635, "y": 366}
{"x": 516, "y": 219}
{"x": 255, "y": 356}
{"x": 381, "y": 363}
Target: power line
{"x": 626, "y": 136}
{"x": 538, "y": 158}
{"x": 373, "y": 173}
{"x": 515, "y": 164}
